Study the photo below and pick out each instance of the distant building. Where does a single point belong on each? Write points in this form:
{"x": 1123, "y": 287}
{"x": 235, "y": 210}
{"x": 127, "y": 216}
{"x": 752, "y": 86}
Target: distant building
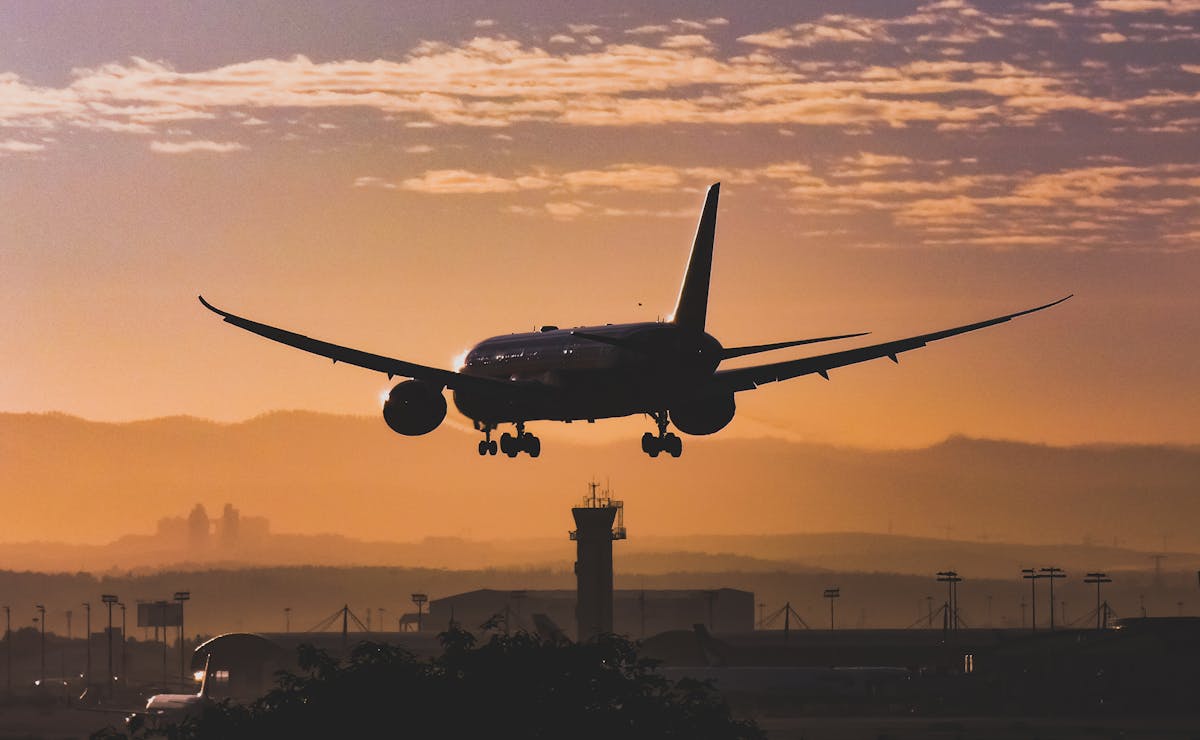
{"x": 198, "y": 527}
{"x": 230, "y": 532}
{"x": 636, "y": 613}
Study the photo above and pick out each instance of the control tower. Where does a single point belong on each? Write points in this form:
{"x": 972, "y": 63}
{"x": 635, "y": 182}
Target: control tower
{"x": 597, "y": 523}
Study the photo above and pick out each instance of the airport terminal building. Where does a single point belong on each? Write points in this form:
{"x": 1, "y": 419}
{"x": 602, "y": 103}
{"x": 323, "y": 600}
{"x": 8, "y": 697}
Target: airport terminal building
{"x": 636, "y": 613}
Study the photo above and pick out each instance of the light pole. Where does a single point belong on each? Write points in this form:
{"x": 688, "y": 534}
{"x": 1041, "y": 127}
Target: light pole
{"x": 124, "y": 679}
{"x": 832, "y": 594}
{"x": 287, "y": 619}
{"x": 87, "y": 608}
{"x": 1032, "y": 576}
{"x": 1052, "y": 573}
{"x": 1098, "y": 578}
{"x": 109, "y": 600}
{"x": 42, "y": 619}
{"x": 420, "y": 600}
{"x": 181, "y": 596}
{"x": 8, "y": 644}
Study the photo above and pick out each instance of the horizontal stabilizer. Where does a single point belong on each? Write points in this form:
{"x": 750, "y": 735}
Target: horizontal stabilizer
{"x": 731, "y": 352}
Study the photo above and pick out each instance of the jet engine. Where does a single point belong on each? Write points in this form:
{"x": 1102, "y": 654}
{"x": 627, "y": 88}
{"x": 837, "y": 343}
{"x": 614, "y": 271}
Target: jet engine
{"x": 414, "y": 407}
{"x": 706, "y": 415}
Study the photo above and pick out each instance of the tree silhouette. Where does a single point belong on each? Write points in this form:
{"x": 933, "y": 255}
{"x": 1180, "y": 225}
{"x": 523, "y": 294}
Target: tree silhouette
{"x": 518, "y": 685}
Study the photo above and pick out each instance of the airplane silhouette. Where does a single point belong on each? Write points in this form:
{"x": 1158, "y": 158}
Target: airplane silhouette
{"x": 665, "y": 369}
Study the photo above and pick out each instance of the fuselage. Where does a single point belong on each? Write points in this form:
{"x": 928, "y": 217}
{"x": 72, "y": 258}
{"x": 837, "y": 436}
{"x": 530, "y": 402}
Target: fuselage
{"x": 595, "y": 371}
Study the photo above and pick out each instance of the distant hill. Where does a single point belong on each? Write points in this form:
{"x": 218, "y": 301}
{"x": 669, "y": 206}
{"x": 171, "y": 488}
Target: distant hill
{"x": 65, "y": 479}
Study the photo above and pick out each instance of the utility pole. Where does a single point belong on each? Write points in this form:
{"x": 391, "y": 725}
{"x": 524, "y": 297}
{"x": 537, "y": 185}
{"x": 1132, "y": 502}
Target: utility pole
{"x": 1052, "y": 573}
{"x": 42, "y": 620}
{"x": 1098, "y": 578}
{"x": 87, "y": 607}
{"x": 109, "y": 600}
{"x": 832, "y": 594}
{"x": 1032, "y": 576}
{"x": 182, "y": 596}
{"x": 287, "y": 619}
{"x": 952, "y": 579}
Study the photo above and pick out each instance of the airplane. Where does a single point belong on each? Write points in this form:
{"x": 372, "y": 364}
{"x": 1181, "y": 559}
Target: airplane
{"x": 163, "y": 709}
{"x": 667, "y": 369}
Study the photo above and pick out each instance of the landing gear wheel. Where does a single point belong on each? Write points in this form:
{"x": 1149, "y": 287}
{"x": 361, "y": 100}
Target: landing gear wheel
{"x": 483, "y": 447}
{"x": 533, "y": 445}
{"x": 665, "y": 441}
{"x": 673, "y": 445}
{"x": 509, "y": 445}
{"x": 491, "y": 447}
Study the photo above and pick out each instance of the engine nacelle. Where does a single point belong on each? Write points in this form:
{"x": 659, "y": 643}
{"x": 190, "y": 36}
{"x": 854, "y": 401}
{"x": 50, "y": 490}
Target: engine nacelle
{"x": 706, "y": 415}
{"x": 414, "y": 407}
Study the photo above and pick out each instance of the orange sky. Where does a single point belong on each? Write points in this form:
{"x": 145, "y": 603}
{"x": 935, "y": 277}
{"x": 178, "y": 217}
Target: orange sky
{"x": 410, "y": 181}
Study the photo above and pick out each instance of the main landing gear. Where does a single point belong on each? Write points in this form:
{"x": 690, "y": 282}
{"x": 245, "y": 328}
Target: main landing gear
{"x": 509, "y": 445}
{"x": 664, "y": 442}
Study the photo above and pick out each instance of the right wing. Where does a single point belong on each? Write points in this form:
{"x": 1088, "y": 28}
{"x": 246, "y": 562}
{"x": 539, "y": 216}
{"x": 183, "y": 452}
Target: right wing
{"x": 748, "y": 378}
{"x": 390, "y": 366}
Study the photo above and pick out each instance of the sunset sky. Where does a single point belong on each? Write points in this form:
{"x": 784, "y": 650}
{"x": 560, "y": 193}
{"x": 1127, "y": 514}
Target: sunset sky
{"x": 409, "y": 178}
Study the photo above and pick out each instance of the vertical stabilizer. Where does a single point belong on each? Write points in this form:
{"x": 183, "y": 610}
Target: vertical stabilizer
{"x": 204, "y": 684}
{"x": 692, "y": 306}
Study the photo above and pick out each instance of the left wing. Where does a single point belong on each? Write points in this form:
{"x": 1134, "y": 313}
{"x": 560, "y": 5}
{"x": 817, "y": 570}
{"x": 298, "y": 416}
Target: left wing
{"x": 748, "y": 378}
{"x": 391, "y": 366}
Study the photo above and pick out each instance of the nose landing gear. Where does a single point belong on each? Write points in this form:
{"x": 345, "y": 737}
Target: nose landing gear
{"x": 487, "y": 445}
{"x": 665, "y": 441}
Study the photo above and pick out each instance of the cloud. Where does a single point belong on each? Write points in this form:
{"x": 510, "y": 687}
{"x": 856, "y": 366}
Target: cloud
{"x": 197, "y": 145}
{"x": 418, "y": 149}
{"x": 686, "y": 41}
{"x": 897, "y": 77}
{"x": 12, "y": 146}
{"x": 458, "y": 182}
{"x": 647, "y": 30}
{"x": 830, "y": 29}
{"x": 1170, "y": 7}
{"x": 484, "y": 23}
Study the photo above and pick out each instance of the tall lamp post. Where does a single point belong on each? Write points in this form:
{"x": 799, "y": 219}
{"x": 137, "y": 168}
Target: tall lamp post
{"x": 8, "y": 644}
{"x": 41, "y": 619}
{"x": 124, "y": 679}
{"x": 832, "y": 594}
{"x": 181, "y": 596}
{"x": 109, "y": 600}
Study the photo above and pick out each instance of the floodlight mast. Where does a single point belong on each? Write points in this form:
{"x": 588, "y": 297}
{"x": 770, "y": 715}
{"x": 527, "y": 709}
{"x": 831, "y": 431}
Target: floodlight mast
{"x": 109, "y": 600}
{"x": 420, "y": 600}
{"x": 832, "y": 594}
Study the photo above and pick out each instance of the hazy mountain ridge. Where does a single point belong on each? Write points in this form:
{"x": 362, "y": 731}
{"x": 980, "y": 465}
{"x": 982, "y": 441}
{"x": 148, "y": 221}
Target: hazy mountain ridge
{"x": 67, "y": 479}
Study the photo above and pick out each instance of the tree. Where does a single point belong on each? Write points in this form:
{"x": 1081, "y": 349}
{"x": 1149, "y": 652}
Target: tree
{"x": 510, "y": 686}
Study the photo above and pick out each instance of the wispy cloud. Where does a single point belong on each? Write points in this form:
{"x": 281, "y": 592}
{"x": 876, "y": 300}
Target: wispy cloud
{"x": 197, "y": 145}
